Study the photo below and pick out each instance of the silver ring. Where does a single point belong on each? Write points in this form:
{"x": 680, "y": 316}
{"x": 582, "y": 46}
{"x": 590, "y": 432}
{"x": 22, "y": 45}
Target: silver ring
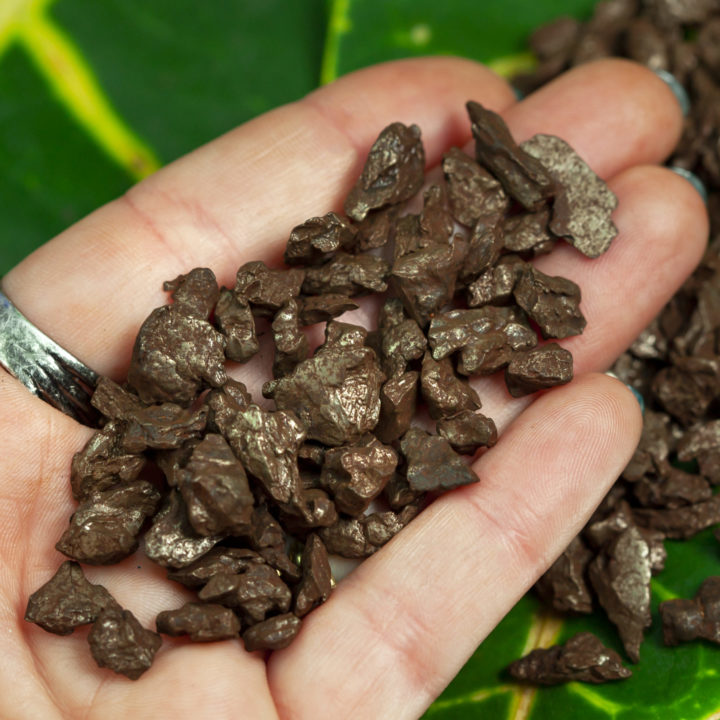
{"x": 48, "y": 371}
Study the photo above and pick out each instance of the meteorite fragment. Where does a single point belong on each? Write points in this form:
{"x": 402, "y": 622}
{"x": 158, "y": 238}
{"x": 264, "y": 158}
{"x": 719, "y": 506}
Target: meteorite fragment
{"x": 195, "y": 293}
{"x": 444, "y": 392}
{"x": 234, "y": 319}
{"x": 253, "y": 594}
{"x": 563, "y": 585}
{"x": 538, "y": 369}
{"x": 552, "y": 302}
{"x": 322, "y": 308}
{"x": 467, "y": 431}
{"x": 119, "y": 642}
{"x": 393, "y": 171}
{"x": 291, "y": 345}
{"x": 486, "y": 354}
{"x": 377, "y": 229}
{"x": 482, "y": 250}
{"x": 583, "y": 203}
{"x": 215, "y": 489}
{"x": 475, "y": 195}
{"x": 274, "y": 633}
{"x": 673, "y": 489}
{"x": 528, "y": 234}
{"x": 524, "y": 178}
{"x": 318, "y": 511}
{"x": 171, "y": 541}
{"x": 425, "y": 279}
{"x": 452, "y": 330}
{"x": 356, "y": 474}
{"x": 177, "y": 351}
{"x": 436, "y": 223}
{"x": 620, "y": 575}
{"x": 266, "y": 530}
{"x": 278, "y": 559}
{"x": 361, "y": 537}
{"x": 103, "y": 463}
{"x": 162, "y": 427}
{"x": 67, "y": 600}
{"x": 686, "y": 620}
{"x": 399, "y": 494}
{"x": 218, "y": 560}
{"x": 646, "y": 44}
{"x": 682, "y": 522}
{"x": 202, "y": 622}
{"x": 432, "y": 464}
{"x": 583, "y": 658}
{"x": 335, "y": 394}
{"x": 265, "y": 289}
{"x": 686, "y": 388}
{"x": 495, "y": 286}
{"x": 317, "y": 239}
{"x": 401, "y": 339}
{"x": 651, "y": 454}
{"x": 349, "y": 275}
{"x": 398, "y": 397}
{"x": 316, "y": 583}
{"x": 702, "y": 443}
{"x": 616, "y": 517}
{"x": 171, "y": 462}
{"x": 105, "y": 527}
{"x": 267, "y": 444}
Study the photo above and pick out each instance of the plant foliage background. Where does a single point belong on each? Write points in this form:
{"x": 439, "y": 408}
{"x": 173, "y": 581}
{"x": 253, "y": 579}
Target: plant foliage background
{"x": 96, "y": 94}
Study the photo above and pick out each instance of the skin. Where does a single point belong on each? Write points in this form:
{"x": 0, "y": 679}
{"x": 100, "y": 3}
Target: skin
{"x": 399, "y": 627}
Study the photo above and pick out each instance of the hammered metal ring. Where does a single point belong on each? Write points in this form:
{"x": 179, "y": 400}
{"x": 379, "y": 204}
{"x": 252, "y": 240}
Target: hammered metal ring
{"x": 46, "y": 369}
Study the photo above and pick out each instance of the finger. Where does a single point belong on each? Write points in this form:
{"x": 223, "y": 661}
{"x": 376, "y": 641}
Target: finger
{"x": 407, "y": 619}
{"x": 663, "y": 231}
{"x": 237, "y": 199}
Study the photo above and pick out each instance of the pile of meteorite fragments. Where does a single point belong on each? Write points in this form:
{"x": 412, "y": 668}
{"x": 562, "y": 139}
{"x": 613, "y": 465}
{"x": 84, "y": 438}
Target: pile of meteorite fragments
{"x": 667, "y": 489}
{"x": 244, "y": 486}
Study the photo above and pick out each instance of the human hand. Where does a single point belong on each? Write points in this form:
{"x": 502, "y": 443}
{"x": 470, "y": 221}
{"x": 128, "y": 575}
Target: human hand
{"x": 400, "y": 626}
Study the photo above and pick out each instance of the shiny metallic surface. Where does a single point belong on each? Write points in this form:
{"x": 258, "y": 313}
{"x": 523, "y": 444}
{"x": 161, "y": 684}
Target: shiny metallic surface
{"x": 47, "y": 370}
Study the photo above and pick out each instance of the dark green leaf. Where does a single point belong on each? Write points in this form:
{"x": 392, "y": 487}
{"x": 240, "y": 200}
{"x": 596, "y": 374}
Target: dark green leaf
{"x": 362, "y": 33}
{"x": 52, "y": 173}
{"x": 94, "y": 95}
{"x": 181, "y": 72}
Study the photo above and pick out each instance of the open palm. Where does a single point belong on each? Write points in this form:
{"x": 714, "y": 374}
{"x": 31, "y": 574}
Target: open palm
{"x": 399, "y": 627}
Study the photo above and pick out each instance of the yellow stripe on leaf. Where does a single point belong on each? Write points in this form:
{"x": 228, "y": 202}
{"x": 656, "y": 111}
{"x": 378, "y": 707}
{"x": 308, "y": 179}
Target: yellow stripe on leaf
{"x": 72, "y": 80}
{"x": 510, "y": 65}
{"x": 338, "y": 25}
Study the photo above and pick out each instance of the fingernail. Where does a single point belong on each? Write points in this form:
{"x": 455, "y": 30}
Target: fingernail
{"x": 677, "y": 89}
{"x": 519, "y": 94}
{"x": 638, "y": 396}
{"x": 693, "y": 179}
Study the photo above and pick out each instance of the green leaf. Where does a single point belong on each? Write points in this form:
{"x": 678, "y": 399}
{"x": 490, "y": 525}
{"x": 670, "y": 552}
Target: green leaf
{"x": 52, "y": 173}
{"x": 96, "y": 95}
{"x": 363, "y": 32}
{"x": 182, "y": 72}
